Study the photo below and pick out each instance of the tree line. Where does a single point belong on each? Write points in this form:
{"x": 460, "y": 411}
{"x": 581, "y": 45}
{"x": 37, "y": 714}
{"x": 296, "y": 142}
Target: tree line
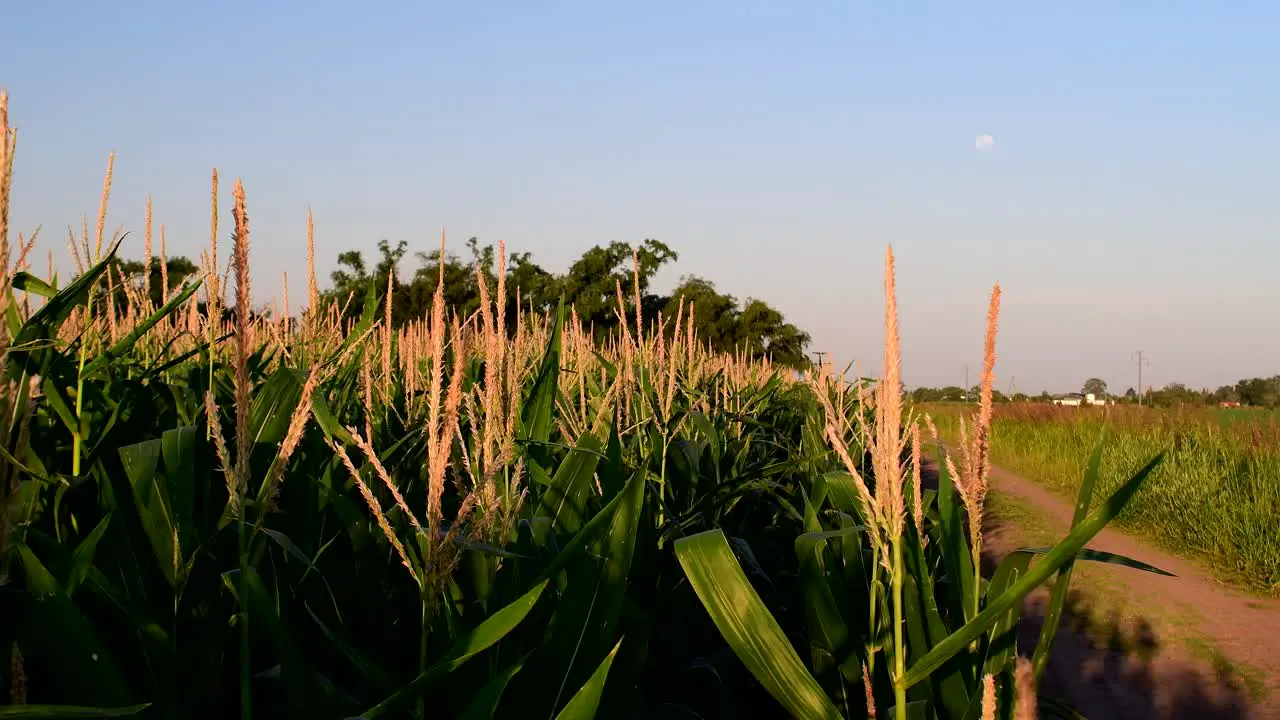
{"x": 1249, "y": 392}
{"x": 589, "y": 286}
{"x": 750, "y": 326}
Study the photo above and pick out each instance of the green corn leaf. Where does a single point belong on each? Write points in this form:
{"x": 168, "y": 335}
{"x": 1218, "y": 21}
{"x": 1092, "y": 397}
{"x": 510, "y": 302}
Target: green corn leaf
{"x": 540, "y": 408}
{"x": 1061, "y": 553}
{"x": 949, "y": 685}
{"x": 1001, "y": 648}
{"x": 613, "y": 474}
{"x": 708, "y": 430}
{"x": 957, "y": 553}
{"x": 748, "y": 627}
{"x": 26, "y": 282}
{"x": 327, "y": 421}
{"x": 585, "y": 622}
{"x": 565, "y": 500}
{"x": 1002, "y": 644}
{"x": 82, "y": 556}
{"x": 843, "y": 495}
{"x": 1053, "y": 615}
{"x": 61, "y": 403}
{"x": 126, "y": 343}
{"x": 63, "y": 638}
{"x": 1107, "y": 558}
{"x": 160, "y": 474}
{"x": 485, "y": 703}
{"x": 178, "y": 453}
{"x": 482, "y": 637}
{"x": 35, "y": 337}
{"x": 590, "y": 533}
{"x": 583, "y": 704}
{"x": 142, "y": 468}
{"x": 273, "y": 405}
{"x": 291, "y": 548}
{"x": 829, "y": 633}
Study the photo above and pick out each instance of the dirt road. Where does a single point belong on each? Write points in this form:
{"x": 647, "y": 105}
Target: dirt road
{"x": 1139, "y": 645}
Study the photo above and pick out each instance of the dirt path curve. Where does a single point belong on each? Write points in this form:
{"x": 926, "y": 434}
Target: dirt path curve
{"x": 1139, "y": 645}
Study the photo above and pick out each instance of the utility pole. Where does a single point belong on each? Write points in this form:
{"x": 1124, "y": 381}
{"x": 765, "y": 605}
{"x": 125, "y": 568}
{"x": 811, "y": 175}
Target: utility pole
{"x": 966, "y": 381}
{"x": 1142, "y": 360}
{"x": 819, "y": 354}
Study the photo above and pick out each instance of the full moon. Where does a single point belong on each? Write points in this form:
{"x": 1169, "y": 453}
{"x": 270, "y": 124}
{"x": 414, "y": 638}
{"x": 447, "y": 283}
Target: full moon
{"x": 984, "y": 142}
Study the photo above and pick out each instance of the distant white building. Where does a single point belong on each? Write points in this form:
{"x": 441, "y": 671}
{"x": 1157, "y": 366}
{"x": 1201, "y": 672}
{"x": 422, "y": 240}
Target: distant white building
{"x": 1078, "y": 399}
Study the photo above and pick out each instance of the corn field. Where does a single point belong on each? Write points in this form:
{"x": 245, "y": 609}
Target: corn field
{"x": 211, "y": 513}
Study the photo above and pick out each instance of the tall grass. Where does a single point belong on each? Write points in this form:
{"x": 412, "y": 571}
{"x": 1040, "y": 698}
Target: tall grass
{"x": 1216, "y": 497}
{"x": 209, "y": 513}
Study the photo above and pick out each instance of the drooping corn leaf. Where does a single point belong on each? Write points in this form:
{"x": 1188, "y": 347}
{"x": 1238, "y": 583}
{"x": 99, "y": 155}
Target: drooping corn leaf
{"x": 747, "y": 625}
{"x": 33, "y": 347}
{"x": 482, "y": 637}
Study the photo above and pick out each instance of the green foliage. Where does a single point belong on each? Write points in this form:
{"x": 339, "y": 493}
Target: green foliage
{"x": 1213, "y": 499}
{"x": 667, "y": 533}
{"x": 948, "y": 650}
{"x": 137, "y": 585}
{"x": 589, "y": 286}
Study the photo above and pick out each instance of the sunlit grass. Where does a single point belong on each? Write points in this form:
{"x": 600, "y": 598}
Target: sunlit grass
{"x": 1216, "y": 498}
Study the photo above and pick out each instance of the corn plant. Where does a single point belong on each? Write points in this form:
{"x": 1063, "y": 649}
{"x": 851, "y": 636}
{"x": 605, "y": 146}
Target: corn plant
{"x": 897, "y": 613}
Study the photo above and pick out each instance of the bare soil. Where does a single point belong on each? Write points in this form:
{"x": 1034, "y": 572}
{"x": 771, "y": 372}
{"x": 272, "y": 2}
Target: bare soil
{"x": 1134, "y": 644}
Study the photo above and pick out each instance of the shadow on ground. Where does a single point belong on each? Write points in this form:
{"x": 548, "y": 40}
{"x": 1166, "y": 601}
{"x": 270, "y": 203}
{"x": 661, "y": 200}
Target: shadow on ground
{"x": 1107, "y": 666}
{"x": 1113, "y": 668}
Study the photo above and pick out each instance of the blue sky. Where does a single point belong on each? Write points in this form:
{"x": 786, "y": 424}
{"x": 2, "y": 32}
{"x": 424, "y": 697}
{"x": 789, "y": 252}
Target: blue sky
{"x": 1130, "y": 201}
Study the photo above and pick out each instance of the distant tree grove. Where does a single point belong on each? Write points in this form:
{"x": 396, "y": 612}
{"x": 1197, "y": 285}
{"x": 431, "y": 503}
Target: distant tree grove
{"x": 1261, "y": 392}
{"x": 590, "y": 286}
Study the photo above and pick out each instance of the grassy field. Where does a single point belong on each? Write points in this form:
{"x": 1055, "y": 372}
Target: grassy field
{"x": 1216, "y": 498}
{"x": 212, "y": 513}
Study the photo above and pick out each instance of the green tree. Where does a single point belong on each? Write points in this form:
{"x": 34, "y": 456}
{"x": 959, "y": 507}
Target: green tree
{"x": 591, "y": 283}
{"x": 1260, "y": 392}
{"x": 1095, "y": 386}
{"x": 755, "y": 328}
{"x": 590, "y": 286}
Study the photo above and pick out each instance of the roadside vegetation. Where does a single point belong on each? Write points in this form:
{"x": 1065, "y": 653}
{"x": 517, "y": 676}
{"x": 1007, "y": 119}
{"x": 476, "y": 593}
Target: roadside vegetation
{"x": 1215, "y": 498}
